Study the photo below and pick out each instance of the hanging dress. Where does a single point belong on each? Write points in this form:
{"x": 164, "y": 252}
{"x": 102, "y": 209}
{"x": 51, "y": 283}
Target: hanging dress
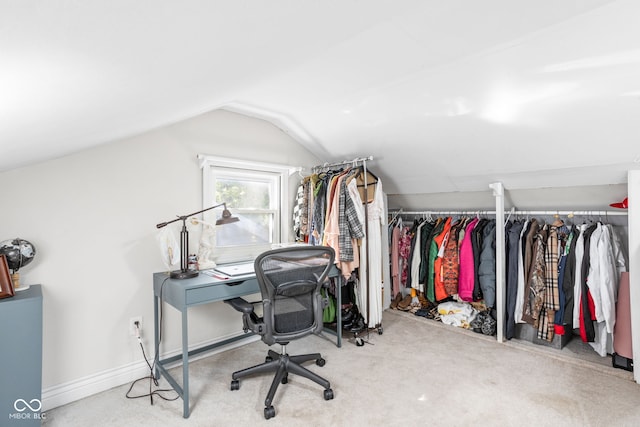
{"x": 371, "y": 259}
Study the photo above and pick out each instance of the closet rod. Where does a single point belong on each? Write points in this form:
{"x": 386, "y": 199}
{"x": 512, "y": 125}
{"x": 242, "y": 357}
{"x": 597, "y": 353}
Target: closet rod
{"x": 346, "y": 162}
{"x": 486, "y": 212}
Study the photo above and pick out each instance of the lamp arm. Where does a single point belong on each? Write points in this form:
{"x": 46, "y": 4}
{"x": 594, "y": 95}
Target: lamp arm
{"x": 184, "y": 217}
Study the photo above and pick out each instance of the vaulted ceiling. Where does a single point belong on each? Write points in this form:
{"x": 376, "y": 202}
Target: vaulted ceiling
{"x": 445, "y": 95}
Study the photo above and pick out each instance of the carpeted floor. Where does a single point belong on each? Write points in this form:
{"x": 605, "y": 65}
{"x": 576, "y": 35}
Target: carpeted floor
{"x": 418, "y": 372}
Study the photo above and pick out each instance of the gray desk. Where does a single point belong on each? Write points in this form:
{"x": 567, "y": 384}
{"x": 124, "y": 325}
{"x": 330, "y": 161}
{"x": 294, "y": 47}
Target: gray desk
{"x": 203, "y": 289}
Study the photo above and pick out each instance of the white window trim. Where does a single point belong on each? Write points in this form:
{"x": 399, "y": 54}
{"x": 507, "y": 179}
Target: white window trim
{"x": 207, "y": 162}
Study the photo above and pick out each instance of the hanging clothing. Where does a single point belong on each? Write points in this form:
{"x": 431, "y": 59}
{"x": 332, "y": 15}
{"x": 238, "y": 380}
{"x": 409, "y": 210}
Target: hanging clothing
{"x": 298, "y": 209}
{"x": 412, "y": 246}
{"x": 476, "y": 246}
{"x": 352, "y": 194}
{"x": 426, "y": 234}
{"x": 551, "y": 296}
{"x": 466, "y": 276}
{"x": 451, "y": 258}
{"x": 437, "y": 236}
{"x": 603, "y": 284}
{"x": 349, "y": 222}
{"x": 587, "y": 315}
{"x": 371, "y": 257}
{"x": 416, "y": 283}
{"x": 404, "y": 251}
{"x": 395, "y": 260}
{"x": 319, "y": 209}
{"x": 528, "y": 251}
{"x": 566, "y": 237}
{"x": 513, "y": 230}
{"x": 534, "y": 289}
{"x": 577, "y": 287}
{"x": 520, "y": 295}
{"x": 332, "y": 219}
{"x": 487, "y": 264}
{"x": 441, "y": 241}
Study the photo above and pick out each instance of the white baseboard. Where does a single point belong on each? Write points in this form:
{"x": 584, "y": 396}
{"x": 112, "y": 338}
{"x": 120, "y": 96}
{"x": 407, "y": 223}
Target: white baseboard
{"x": 68, "y": 392}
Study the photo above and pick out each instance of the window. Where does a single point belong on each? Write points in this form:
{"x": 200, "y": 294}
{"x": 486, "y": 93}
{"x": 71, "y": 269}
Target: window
{"x": 255, "y": 193}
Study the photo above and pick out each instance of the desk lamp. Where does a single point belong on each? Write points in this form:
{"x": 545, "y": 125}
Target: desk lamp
{"x": 184, "y": 273}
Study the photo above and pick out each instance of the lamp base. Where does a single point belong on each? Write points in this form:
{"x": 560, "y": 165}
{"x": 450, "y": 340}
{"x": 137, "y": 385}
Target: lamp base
{"x": 179, "y": 274}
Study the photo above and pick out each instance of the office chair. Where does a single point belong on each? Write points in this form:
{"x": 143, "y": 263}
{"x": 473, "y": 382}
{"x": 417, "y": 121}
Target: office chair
{"x": 290, "y": 281}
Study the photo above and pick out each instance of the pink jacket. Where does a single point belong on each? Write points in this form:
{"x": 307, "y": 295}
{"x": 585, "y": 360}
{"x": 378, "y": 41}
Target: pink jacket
{"x": 466, "y": 278}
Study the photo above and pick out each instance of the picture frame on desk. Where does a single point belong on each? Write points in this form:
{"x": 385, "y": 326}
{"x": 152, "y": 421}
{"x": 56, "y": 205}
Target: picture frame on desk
{"x": 6, "y": 284}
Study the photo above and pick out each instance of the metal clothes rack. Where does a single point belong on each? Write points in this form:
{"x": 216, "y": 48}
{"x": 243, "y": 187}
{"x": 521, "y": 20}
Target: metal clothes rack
{"x": 353, "y": 162}
{"x": 511, "y": 212}
{"x": 357, "y": 162}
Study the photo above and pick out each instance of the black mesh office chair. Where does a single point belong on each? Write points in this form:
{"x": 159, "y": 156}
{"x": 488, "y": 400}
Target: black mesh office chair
{"x": 290, "y": 281}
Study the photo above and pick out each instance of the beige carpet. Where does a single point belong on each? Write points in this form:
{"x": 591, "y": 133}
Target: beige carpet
{"x": 418, "y": 372}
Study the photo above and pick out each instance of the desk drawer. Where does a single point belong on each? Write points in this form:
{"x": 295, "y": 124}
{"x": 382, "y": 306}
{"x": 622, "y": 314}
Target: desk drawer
{"x": 221, "y": 291}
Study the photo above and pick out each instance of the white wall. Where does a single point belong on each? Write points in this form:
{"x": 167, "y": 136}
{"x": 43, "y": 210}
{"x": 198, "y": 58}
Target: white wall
{"x": 92, "y": 219}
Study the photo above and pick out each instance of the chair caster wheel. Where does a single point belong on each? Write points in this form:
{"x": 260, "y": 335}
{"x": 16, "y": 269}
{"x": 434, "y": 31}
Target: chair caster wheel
{"x": 359, "y": 342}
{"x": 328, "y": 394}
{"x": 380, "y": 330}
{"x": 269, "y": 412}
{"x": 320, "y": 362}
{"x": 284, "y": 379}
{"x": 268, "y": 359}
{"x": 235, "y": 385}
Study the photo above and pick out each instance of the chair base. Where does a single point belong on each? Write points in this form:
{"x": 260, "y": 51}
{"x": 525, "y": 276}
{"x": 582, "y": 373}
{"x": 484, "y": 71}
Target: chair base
{"x": 282, "y": 365}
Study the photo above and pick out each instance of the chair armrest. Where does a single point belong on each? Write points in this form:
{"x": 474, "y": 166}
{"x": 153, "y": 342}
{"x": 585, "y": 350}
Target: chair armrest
{"x": 240, "y": 305}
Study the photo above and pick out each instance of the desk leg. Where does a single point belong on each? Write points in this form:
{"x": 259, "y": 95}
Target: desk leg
{"x": 156, "y": 335}
{"x": 185, "y": 364}
{"x": 339, "y": 312}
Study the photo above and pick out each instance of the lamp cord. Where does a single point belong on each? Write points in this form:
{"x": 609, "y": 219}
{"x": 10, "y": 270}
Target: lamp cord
{"x": 151, "y": 377}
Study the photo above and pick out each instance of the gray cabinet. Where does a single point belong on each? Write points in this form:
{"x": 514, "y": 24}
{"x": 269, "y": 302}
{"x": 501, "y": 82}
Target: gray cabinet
{"x": 21, "y": 358}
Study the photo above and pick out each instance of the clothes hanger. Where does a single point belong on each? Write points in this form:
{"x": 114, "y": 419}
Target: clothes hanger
{"x": 509, "y": 216}
{"x": 363, "y": 183}
{"x": 396, "y": 215}
{"x": 557, "y": 222}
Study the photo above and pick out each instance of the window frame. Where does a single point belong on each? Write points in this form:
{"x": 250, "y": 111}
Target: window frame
{"x": 247, "y": 168}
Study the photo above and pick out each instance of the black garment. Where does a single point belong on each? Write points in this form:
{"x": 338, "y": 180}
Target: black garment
{"x": 347, "y": 291}
{"x": 437, "y": 229}
{"x": 569, "y": 278}
{"x": 476, "y": 247}
{"x": 319, "y": 205}
{"x": 512, "y": 238}
{"x": 527, "y": 248}
{"x": 584, "y": 271}
{"x": 487, "y": 267}
{"x": 425, "y": 243}
{"x": 411, "y": 249}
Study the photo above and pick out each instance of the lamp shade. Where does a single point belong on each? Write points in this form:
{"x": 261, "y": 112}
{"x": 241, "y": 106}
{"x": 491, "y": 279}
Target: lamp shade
{"x": 226, "y": 218}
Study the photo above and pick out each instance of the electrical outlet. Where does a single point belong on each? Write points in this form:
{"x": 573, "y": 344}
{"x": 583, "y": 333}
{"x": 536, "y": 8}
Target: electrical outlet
{"x": 132, "y": 325}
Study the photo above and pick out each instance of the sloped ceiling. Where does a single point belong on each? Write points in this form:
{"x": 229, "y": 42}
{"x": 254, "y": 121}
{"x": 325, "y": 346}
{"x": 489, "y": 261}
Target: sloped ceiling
{"x": 445, "y": 95}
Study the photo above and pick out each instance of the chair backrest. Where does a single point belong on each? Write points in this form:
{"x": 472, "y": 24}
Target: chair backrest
{"x": 290, "y": 281}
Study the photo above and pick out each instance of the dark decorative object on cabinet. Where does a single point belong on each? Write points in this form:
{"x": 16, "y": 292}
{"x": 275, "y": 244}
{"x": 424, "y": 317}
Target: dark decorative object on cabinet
{"x": 6, "y": 285}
